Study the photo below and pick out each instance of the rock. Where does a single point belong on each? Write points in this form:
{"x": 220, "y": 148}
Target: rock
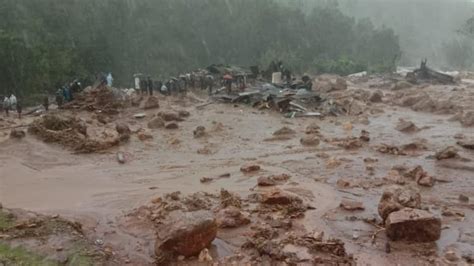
{"x": 463, "y": 198}
{"x": 312, "y": 128}
{"x": 467, "y": 119}
{"x": 206, "y": 179}
{"x": 280, "y": 177}
{"x": 155, "y": 123}
{"x": 413, "y": 225}
{"x": 467, "y": 144}
{"x": 170, "y": 116}
{"x": 426, "y": 181}
{"x": 139, "y": 116}
{"x": 250, "y": 168}
{"x": 123, "y": 129}
{"x": 343, "y": 183}
{"x": 199, "y": 132}
{"x": 266, "y": 181}
{"x": 17, "y": 133}
{"x": 406, "y": 126}
{"x": 401, "y": 85}
{"x": 350, "y": 205}
{"x": 204, "y": 256}
{"x": 310, "y": 140}
{"x": 277, "y": 196}
{"x": 284, "y": 131}
{"x": 230, "y": 199}
{"x": 340, "y": 84}
{"x": 231, "y": 217}
{"x": 186, "y": 234}
{"x": 318, "y": 236}
{"x": 376, "y": 96}
{"x": 151, "y": 103}
{"x": 144, "y": 135}
{"x": 396, "y": 198}
{"x": 171, "y": 125}
{"x": 451, "y": 256}
{"x": 364, "y": 135}
{"x": 120, "y": 157}
{"x": 447, "y": 153}
{"x": 183, "y": 113}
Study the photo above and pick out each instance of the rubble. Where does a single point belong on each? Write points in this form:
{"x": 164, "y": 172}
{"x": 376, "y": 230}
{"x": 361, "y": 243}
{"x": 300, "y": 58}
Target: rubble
{"x": 170, "y": 116}
{"x": 171, "y": 125}
{"x": 231, "y": 217}
{"x": 406, "y": 126}
{"x": 396, "y": 198}
{"x": 277, "y": 196}
{"x": 350, "y": 205}
{"x": 186, "y": 234}
{"x": 199, "y": 132}
{"x": 284, "y": 131}
{"x": 250, "y": 168}
{"x": 266, "y": 181}
{"x": 312, "y": 128}
{"x": 413, "y": 225}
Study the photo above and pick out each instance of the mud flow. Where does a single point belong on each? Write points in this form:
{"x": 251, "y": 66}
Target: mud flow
{"x": 378, "y": 172}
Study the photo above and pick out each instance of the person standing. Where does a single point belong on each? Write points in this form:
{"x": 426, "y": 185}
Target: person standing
{"x": 13, "y": 102}
{"x": 6, "y": 105}
{"x": 110, "y": 79}
{"x": 46, "y": 102}
{"x": 150, "y": 86}
{"x": 19, "y": 109}
{"x": 59, "y": 98}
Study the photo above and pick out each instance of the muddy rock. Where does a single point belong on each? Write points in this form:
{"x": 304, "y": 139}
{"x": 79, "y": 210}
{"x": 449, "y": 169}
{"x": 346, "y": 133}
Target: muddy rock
{"x": 413, "y": 225}
{"x": 199, "y": 132}
{"x": 277, "y": 196}
{"x": 340, "y": 84}
{"x": 312, "y": 128}
{"x": 266, "y": 181}
{"x": 401, "y": 85}
{"x": 183, "y": 113}
{"x": 426, "y": 181}
{"x": 310, "y": 140}
{"x": 170, "y": 116}
{"x": 186, "y": 234}
{"x": 231, "y": 217}
{"x": 396, "y": 198}
{"x": 151, "y": 103}
{"x": 463, "y": 198}
{"x": 284, "y": 131}
{"x": 467, "y": 119}
{"x": 17, "y": 134}
{"x": 230, "y": 199}
{"x": 467, "y": 144}
{"x": 250, "y": 168}
{"x": 350, "y": 205}
{"x": 406, "y": 126}
{"x": 156, "y": 123}
{"x": 376, "y": 96}
{"x": 144, "y": 135}
{"x": 205, "y": 256}
{"x": 171, "y": 125}
{"x": 364, "y": 135}
{"x": 447, "y": 153}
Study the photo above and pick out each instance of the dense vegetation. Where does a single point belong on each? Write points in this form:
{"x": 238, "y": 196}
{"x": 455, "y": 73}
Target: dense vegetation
{"x": 44, "y": 44}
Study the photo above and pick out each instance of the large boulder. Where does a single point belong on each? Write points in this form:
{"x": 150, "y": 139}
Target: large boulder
{"x": 155, "y": 123}
{"x": 123, "y": 130}
{"x": 170, "y": 116}
{"x": 310, "y": 140}
{"x": 151, "y": 103}
{"x": 186, "y": 233}
{"x": 396, "y": 198}
{"x": 413, "y": 225}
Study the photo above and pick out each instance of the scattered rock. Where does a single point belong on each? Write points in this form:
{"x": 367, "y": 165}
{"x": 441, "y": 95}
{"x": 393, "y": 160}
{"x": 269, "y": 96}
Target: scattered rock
{"x": 231, "y": 217}
{"x": 463, "y": 198}
{"x": 266, "y": 181}
{"x": 250, "y": 168}
{"x": 284, "y": 131}
{"x": 186, "y": 234}
{"x": 310, "y": 140}
{"x": 451, "y": 256}
{"x": 170, "y": 116}
{"x": 312, "y": 128}
{"x": 171, "y": 125}
{"x": 230, "y": 199}
{"x": 421, "y": 177}
{"x": 394, "y": 177}
{"x": 199, "y": 132}
{"x": 151, "y": 103}
{"x": 139, "y": 116}
{"x": 277, "y": 196}
{"x": 364, "y": 136}
{"x": 467, "y": 144}
{"x": 350, "y": 205}
{"x": 406, "y": 126}
{"x": 376, "y": 96}
{"x": 155, "y": 123}
{"x": 396, "y": 198}
{"x": 427, "y": 181}
{"x": 413, "y": 225}
{"x": 204, "y": 256}
{"x": 447, "y": 153}
{"x": 17, "y": 134}
{"x": 467, "y": 119}
{"x": 123, "y": 130}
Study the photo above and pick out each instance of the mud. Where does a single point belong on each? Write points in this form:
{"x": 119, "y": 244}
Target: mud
{"x": 122, "y": 205}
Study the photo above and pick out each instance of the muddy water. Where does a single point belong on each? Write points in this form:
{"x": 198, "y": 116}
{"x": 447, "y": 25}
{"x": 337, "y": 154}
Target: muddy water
{"x": 96, "y": 189}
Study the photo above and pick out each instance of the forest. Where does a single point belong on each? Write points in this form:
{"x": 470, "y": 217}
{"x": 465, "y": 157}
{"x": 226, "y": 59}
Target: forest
{"x": 44, "y": 44}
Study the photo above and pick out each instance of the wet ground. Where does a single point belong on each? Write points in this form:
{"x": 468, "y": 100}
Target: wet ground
{"x": 98, "y": 191}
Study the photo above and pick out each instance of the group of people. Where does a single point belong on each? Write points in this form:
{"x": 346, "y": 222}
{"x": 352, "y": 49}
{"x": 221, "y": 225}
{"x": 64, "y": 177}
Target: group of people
{"x": 65, "y": 94}
{"x": 11, "y": 104}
